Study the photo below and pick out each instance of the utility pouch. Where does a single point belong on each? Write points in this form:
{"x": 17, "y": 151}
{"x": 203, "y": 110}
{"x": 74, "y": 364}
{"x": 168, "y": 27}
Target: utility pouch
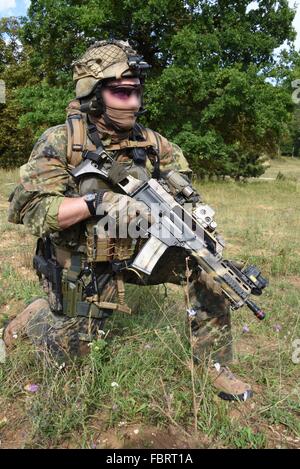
{"x": 106, "y": 249}
{"x": 80, "y": 299}
{"x": 72, "y": 288}
{"x": 124, "y": 248}
{"x": 99, "y": 249}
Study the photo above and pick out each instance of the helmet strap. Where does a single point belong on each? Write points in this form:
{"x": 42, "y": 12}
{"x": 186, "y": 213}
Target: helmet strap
{"x": 93, "y": 104}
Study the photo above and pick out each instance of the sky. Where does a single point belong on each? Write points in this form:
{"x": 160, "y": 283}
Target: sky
{"x": 19, "y": 8}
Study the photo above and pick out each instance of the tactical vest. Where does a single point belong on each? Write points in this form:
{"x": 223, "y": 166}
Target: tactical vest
{"x": 80, "y": 141}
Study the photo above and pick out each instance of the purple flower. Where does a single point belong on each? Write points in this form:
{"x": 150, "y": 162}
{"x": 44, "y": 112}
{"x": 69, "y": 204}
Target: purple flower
{"x": 31, "y": 387}
{"x": 245, "y": 329}
{"x": 277, "y": 327}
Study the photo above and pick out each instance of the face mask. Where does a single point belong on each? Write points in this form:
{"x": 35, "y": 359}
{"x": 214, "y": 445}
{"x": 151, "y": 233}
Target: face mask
{"x": 123, "y": 119}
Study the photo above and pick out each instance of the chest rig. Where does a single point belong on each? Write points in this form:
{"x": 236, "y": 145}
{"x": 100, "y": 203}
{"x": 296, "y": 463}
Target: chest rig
{"x": 91, "y": 280}
{"x": 83, "y": 137}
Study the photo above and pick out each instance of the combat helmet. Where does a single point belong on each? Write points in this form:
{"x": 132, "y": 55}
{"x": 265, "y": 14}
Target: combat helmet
{"x": 111, "y": 59}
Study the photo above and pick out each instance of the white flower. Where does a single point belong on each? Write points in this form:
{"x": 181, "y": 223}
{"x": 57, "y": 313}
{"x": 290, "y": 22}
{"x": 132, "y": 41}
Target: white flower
{"x": 114, "y": 384}
{"x": 217, "y": 367}
{"x": 191, "y": 312}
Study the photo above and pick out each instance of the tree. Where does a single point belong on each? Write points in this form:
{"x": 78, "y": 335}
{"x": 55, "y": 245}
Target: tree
{"x": 15, "y": 144}
{"x": 289, "y": 73}
{"x": 207, "y": 88}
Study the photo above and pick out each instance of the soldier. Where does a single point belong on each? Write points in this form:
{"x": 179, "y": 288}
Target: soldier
{"x": 77, "y": 268}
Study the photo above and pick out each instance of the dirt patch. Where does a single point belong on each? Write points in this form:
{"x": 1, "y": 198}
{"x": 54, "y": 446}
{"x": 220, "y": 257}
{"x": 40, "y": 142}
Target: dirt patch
{"x": 265, "y": 207}
{"x": 139, "y": 436}
{"x": 245, "y": 346}
{"x": 294, "y": 281}
{"x": 248, "y": 414}
{"x": 14, "y": 427}
{"x": 17, "y": 240}
{"x": 12, "y": 309}
{"x": 278, "y": 437}
{"x": 251, "y": 344}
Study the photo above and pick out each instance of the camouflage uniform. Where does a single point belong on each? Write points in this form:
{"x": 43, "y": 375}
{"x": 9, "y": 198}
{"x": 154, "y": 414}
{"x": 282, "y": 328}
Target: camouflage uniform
{"x": 44, "y": 182}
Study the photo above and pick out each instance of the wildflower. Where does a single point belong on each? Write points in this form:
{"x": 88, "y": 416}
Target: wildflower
{"x": 191, "y": 312}
{"x": 245, "y": 329}
{"x": 277, "y": 327}
{"x": 31, "y": 388}
{"x": 114, "y": 384}
{"x": 217, "y": 366}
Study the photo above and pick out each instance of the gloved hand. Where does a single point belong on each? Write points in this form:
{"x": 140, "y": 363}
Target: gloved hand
{"x": 125, "y": 211}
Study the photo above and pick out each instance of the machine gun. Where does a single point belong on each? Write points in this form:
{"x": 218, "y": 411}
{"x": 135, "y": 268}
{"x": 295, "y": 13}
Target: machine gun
{"x": 192, "y": 230}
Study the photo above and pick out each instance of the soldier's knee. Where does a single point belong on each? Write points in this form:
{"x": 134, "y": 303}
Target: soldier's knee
{"x": 58, "y": 336}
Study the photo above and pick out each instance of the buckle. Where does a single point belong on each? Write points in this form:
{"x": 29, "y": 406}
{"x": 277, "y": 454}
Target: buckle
{"x": 77, "y": 147}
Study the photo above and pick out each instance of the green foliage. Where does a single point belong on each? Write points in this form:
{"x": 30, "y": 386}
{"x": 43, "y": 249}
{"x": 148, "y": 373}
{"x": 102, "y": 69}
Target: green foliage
{"x": 44, "y": 106}
{"x": 15, "y": 144}
{"x": 224, "y": 120}
{"x": 207, "y": 90}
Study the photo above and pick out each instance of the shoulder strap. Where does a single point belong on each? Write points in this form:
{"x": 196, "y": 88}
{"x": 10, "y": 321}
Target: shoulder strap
{"x": 77, "y": 134}
{"x": 76, "y": 139}
{"x": 79, "y": 130}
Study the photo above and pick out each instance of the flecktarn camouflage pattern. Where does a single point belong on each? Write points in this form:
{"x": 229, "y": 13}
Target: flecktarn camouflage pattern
{"x": 44, "y": 182}
{"x": 103, "y": 60}
{"x": 56, "y": 337}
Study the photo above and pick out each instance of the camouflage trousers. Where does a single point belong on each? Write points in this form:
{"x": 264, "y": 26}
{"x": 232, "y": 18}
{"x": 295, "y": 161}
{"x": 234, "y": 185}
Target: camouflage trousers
{"x": 208, "y": 311}
{"x": 58, "y": 338}
{"x": 64, "y": 337}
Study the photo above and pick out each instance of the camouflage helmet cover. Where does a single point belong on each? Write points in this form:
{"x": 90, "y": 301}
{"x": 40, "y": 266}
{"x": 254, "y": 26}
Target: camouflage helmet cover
{"x": 104, "y": 59}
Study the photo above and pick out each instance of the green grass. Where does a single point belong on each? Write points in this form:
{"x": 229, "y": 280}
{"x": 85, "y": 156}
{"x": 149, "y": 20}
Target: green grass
{"x": 148, "y": 354}
{"x": 288, "y": 167}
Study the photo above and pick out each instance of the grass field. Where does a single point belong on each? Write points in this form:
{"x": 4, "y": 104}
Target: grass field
{"x": 138, "y": 389}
